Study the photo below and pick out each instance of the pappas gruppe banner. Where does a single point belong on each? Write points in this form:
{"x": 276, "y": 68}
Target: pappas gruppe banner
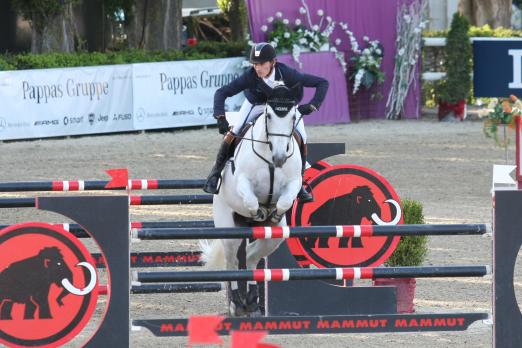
{"x": 114, "y": 98}
{"x": 181, "y": 94}
{"x": 56, "y": 102}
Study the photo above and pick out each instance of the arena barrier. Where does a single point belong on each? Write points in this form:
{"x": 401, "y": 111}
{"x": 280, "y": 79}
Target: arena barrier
{"x": 286, "y": 324}
{"x": 507, "y": 320}
{"x": 279, "y": 324}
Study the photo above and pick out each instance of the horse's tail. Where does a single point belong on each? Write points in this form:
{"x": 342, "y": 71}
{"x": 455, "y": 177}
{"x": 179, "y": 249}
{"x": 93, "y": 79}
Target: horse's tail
{"x": 213, "y": 254}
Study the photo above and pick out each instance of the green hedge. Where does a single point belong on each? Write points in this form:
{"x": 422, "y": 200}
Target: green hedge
{"x": 204, "y": 50}
{"x": 484, "y": 31}
{"x": 411, "y": 250}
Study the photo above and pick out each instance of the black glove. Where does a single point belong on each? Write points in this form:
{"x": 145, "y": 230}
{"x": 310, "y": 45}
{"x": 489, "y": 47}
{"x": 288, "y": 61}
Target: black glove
{"x": 306, "y": 109}
{"x": 222, "y": 124}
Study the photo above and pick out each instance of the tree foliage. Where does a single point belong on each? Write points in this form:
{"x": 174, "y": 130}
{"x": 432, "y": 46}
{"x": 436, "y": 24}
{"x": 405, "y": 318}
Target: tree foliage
{"x": 496, "y": 13}
{"x": 41, "y": 8}
{"x": 235, "y": 11}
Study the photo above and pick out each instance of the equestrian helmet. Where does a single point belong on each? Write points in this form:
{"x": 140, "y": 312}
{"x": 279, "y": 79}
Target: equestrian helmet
{"x": 262, "y": 52}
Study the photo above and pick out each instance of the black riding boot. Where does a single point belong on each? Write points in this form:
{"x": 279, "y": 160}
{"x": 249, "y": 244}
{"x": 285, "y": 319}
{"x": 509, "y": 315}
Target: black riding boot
{"x": 211, "y": 186}
{"x": 304, "y": 196}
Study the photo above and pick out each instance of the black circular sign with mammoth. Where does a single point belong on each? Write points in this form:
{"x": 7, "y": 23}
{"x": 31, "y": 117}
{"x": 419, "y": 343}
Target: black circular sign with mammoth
{"x": 346, "y": 195}
{"x": 48, "y": 285}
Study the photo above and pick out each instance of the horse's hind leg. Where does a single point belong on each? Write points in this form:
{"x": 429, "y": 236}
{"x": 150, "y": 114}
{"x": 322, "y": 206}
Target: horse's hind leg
{"x": 254, "y": 253}
{"x": 236, "y": 298}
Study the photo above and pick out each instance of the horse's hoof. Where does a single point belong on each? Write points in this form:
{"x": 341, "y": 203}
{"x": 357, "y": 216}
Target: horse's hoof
{"x": 255, "y": 314}
{"x": 261, "y": 215}
{"x": 237, "y": 311}
{"x": 275, "y": 218}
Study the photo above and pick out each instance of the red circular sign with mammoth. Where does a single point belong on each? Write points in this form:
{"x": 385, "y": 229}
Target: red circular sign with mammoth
{"x": 346, "y": 195}
{"x": 48, "y": 285}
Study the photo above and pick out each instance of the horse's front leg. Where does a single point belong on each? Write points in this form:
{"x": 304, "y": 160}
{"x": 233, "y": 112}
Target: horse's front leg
{"x": 246, "y": 192}
{"x": 237, "y": 299}
{"x": 286, "y": 199}
{"x": 254, "y": 253}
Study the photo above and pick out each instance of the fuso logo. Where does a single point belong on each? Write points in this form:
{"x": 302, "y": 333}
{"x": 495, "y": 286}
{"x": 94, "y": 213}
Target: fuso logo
{"x": 48, "y": 285}
{"x": 346, "y": 195}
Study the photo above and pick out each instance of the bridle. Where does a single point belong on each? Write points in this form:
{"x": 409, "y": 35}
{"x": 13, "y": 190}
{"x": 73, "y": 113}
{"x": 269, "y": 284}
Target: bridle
{"x": 278, "y": 113}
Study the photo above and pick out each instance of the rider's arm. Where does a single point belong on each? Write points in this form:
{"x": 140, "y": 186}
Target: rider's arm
{"x": 233, "y": 88}
{"x": 321, "y": 87}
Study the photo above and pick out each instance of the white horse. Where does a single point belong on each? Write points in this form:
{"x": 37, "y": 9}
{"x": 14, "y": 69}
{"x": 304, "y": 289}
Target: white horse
{"x": 259, "y": 185}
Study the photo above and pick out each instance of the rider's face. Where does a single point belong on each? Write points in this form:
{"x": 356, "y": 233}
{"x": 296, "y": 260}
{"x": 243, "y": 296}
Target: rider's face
{"x": 263, "y": 69}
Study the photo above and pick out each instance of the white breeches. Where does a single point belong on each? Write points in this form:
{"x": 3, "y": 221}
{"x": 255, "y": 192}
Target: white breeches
{"x": 249, "y": 112}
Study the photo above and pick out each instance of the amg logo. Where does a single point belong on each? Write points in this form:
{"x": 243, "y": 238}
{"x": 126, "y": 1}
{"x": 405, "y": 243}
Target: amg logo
{"x": 47, "y": 123}
{"x": 281, "y": 108}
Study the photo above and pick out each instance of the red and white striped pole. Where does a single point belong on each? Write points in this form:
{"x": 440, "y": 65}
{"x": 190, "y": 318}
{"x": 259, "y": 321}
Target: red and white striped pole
{"x": 96, "y": 185}
{"x": 308, "y": 231}
{"x": 311, "y": 274}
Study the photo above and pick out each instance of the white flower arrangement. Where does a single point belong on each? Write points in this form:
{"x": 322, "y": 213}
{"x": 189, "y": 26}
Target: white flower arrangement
{"x": 316, "y": 37}
{"x": 300, "y": 38}
{"x": 410, "y": 23}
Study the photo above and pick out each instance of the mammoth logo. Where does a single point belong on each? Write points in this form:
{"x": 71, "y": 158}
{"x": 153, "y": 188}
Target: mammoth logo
{"x": 28, "y": 282}
{"x": 48, "y": 286}
{"x": 349, "y": 209}
{"x": 346, "y": 195}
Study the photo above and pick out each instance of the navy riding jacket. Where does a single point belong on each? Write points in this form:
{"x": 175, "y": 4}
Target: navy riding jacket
{"x": 256, "y": 90}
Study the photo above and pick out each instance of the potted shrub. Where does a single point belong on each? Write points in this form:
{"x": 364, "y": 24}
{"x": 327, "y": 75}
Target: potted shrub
{"x": 502, "y": 116}
{"x": 455, "y": 88}
{"x": 411, "y": 251}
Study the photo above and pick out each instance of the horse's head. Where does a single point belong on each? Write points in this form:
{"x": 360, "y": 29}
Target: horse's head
{"x": 280, "y": 117}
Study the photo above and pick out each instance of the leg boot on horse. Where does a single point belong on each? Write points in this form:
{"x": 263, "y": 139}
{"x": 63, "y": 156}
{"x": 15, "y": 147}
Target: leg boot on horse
{"x": 211, "y": 186}
{"x": 304, "y": 196}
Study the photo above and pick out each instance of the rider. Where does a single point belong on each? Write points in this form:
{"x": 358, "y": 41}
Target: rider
{"x": 257, "y": 83}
